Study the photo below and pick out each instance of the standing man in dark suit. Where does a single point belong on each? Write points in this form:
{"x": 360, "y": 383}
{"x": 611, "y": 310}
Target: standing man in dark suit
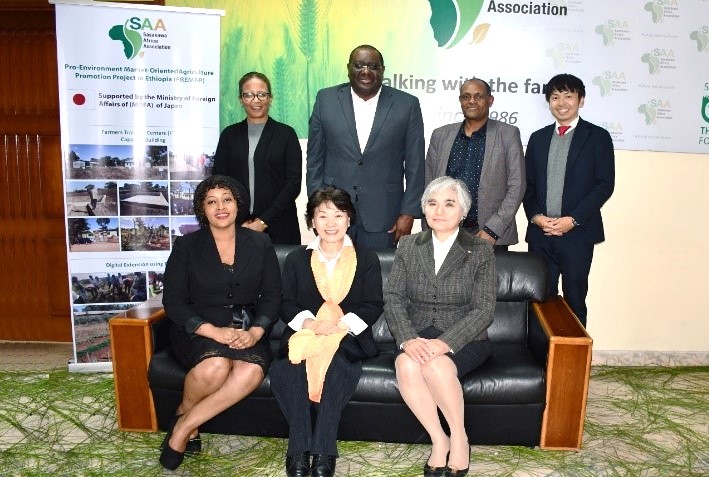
{"x": 367, "y": 138}
{"x": 570, "y": 175}
{"x": 487, "y": 155}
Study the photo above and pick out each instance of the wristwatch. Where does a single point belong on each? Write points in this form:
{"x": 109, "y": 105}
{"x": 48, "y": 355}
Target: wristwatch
{"x": 573, "y": 221}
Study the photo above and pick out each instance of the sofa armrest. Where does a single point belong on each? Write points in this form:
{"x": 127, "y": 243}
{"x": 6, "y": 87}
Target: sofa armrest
{"x": 131, "y": 348}
{"x": 537, "y": 338}
{"x": 568, "y": 369}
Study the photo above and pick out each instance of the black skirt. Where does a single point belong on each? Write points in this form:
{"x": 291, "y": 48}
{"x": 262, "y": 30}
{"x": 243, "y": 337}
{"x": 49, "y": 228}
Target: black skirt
{"x": 190, "y": 350}
{"x": 466, "y": 359}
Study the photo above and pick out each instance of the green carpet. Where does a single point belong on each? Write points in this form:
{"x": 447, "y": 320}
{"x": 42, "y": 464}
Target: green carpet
{"x": 645, "y": 422}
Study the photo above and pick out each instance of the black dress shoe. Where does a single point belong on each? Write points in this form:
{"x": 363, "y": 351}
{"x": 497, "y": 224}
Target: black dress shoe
{"x": 324, "y": 465}
{"x": 298, "y": 465}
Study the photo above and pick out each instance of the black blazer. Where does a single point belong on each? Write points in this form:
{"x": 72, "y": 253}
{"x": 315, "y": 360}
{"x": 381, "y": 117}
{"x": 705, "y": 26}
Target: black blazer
{"x": 301, "y": 293}
{"x": 198, "y": 289}
{"x": 588, "y": 183}
{"x": 278, "y": 163}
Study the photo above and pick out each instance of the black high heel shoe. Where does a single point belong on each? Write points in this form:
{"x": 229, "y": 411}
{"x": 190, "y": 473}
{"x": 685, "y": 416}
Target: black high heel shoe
{"x": 457, "y": 472}
{"x": 429, "y": 471}
{"x": 169, "y": 457}
{"x": 194, "y": 445}
{"x": 451, "y": 472}
{"x": 168, "y": 434}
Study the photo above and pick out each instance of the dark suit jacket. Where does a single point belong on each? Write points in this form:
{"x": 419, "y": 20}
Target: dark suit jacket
{"x": 588, "y": 183}
{"x": 301, "y": 293}
{"x": 198, "y": 289}
{"x": 502, "y": 179}
{"x": 459, "y": 300}
{"x": 375, "y": 178}
{"x": 278, "y": 163}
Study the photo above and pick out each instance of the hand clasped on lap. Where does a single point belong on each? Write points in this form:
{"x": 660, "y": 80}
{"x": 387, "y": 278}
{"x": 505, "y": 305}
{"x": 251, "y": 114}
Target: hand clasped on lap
{"x": 423, "y": 350}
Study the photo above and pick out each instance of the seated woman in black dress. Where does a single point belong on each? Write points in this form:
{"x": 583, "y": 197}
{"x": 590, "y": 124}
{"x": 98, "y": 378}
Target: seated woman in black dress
{"x": 217, "y": 280}
{"x": 439, "y": 303}
{"x": 332, "y": 295}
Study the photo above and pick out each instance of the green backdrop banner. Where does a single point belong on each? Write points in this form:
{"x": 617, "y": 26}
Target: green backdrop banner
{"x": 643, "y": 62}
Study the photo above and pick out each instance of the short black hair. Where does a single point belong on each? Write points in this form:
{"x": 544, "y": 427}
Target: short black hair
{"x": 366, "y": 47}
{"x": 564, "y": 83}
{"x": 340, "y": 198}
{"x": 488, "y": 89}
{"x": 220, "y": 182}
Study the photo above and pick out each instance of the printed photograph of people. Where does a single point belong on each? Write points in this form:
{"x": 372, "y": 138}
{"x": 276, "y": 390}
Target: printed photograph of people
{"x": 98, "y": 234}
{"x": 91, "y": 198}
{"x": 104, "y": 287}
{"x": 95, "y": 161}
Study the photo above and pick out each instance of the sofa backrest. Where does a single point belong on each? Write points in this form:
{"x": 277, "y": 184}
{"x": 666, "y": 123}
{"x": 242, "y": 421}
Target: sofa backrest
{"x": 521, "y": 278}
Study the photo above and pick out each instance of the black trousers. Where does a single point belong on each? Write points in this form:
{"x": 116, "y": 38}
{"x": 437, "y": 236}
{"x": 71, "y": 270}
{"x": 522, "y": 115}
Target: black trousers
{"x": 289, "y": 386}
{"x": 571, "y": 261}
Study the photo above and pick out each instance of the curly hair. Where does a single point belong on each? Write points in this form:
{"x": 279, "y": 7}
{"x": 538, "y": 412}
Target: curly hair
{"x": 340, "y": 199}
{"x": 220, "y": 182}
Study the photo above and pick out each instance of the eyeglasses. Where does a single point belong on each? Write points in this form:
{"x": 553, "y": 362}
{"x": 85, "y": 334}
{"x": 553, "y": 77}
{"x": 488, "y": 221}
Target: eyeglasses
{"x": 477, "y": 97}
{"x": 261, "y": 95}
{"x": 369, "y": 66}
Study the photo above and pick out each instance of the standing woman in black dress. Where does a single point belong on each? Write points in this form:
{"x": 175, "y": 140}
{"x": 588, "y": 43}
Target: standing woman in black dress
{"x": 218, "y": 281}
{"x": 266, "y": 157}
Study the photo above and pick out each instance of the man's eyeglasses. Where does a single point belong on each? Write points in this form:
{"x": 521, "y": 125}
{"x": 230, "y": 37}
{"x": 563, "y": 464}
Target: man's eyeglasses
{"x": 261, "y": 95}
{"x": 477, "y": 97}
{"x": 369, "y": 66}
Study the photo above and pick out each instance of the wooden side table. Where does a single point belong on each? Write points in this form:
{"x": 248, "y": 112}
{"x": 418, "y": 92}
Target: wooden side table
{"x": 567, "y": 376}
{"x": 132, "y": 347}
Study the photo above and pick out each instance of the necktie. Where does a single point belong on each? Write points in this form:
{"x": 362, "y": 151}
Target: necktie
{"x": 563, "y": 129}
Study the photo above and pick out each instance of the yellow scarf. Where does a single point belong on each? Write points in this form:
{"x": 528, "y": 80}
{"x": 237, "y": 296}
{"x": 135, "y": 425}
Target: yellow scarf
{"x": 318, "y": 350}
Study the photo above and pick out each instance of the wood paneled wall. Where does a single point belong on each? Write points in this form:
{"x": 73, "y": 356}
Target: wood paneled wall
{"x": 34, "y": 291}
{"x": 34, "y": 295}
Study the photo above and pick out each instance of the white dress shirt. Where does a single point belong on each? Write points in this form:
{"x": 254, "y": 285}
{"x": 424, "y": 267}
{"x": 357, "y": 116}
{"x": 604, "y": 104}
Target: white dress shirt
{"x": 364, "y": 112}
{"x": 441, "y": 248}
{"x": 572, "y": 125}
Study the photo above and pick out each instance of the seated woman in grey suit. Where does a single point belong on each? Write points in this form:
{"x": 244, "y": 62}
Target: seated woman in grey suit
{"x": 332, "y": 295}
{"x": 216, "y": 281}
{"x": 438, "y": 303}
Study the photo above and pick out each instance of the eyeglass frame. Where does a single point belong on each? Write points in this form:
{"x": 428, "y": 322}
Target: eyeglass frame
{"x": 249, "y": 96}
{"x": 373, "y": 67}
{"x": 477, "y": 97}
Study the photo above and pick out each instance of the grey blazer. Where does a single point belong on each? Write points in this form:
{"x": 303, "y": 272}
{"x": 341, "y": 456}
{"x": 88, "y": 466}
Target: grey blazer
{"x": 375, "y": 177}
{"x": 502, "y": 180}
{"x": 459, "y": 300}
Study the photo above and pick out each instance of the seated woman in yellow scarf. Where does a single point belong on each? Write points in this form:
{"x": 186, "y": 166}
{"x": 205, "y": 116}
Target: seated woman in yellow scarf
{"x": 332, "y": 295}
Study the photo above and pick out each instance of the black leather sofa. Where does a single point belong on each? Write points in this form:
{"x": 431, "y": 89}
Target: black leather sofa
{"x": 505, "y": 398}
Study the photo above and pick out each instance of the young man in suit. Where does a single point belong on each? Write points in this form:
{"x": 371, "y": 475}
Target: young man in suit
{"x": 570, "y": 175}
{"x": 367, "y": 138}
{"x": 487, "y": 155}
